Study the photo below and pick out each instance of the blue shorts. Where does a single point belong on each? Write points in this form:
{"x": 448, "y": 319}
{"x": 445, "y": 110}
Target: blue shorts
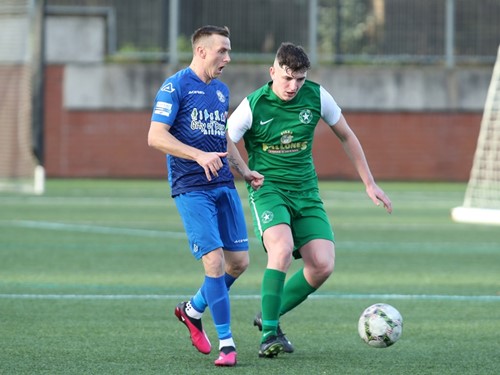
{"x": 212, "y": 219}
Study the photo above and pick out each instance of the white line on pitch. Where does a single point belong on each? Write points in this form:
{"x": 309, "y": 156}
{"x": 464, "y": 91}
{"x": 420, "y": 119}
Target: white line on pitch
{"x": 425, "y": 297}
{"x": 47, "y": 225}
{"x": 86, "y": 228}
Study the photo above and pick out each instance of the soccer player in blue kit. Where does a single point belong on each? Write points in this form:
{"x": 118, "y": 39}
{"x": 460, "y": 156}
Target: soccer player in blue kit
{"x": 188, "y": 124}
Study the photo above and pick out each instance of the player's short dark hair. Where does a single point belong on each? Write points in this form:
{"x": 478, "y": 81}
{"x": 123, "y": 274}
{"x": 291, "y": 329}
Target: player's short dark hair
{"x": 209, "y": 30}
{"x": 293, "y": 57}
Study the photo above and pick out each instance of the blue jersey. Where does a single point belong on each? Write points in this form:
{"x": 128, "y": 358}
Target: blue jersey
{"x": 197, "y": 114}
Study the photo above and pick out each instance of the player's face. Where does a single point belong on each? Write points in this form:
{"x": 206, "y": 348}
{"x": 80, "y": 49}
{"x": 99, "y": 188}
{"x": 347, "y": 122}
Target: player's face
{"x": 216, "y": 55}
{"x": 286, "y": 84}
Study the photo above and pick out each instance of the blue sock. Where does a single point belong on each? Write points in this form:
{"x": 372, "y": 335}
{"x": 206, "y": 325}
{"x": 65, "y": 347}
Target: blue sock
{"x": 198, "y": 301}
{"x": 229, "y": 280}
{"x": 215, "y": 292}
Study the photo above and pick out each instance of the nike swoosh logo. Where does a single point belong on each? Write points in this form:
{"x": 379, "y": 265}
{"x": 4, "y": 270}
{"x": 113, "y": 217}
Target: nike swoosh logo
{"x": 266, "y": 122}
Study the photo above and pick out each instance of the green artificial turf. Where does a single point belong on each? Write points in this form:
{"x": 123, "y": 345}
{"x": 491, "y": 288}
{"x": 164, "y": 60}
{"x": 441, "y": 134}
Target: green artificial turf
{"x": 91, "y": 271}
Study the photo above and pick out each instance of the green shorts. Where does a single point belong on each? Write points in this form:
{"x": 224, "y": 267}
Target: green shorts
{"x": 303, "y": 211}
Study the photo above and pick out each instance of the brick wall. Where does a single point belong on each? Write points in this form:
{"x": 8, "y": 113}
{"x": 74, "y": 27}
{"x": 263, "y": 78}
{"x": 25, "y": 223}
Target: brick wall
{"x": 406, "y": 146}
{"x": 399, "y": 146}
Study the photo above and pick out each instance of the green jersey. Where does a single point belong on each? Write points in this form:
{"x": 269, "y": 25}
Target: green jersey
{"x": 279, "y": 134}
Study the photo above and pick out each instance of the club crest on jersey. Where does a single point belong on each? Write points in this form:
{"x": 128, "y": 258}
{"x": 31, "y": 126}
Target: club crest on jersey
{"x": 267, "y": 217}
{"x": 221, "y": 96}
{"x": 305, "y": 116}
{"x": 168, "y": 88}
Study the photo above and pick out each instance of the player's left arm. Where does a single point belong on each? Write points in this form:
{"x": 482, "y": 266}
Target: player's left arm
{"x": 332, "y": 115}
{"x": 354, "y": 151}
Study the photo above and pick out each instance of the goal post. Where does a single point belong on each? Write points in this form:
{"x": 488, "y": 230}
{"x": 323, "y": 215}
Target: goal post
{"x": 21, "y": 99}
{"x": 482, "y": 197}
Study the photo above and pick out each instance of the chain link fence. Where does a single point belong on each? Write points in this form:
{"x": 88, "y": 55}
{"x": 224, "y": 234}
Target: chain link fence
{"x": 333, "y": 31}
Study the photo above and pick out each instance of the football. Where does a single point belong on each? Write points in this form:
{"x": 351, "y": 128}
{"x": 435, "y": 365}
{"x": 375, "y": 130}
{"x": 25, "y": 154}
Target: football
{"x": 380, "y": 325}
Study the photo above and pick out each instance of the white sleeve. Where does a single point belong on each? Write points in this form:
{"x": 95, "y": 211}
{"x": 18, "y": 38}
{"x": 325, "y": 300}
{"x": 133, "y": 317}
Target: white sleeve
{"x": 240, "y": 121}
{"x": 330, "y": 111}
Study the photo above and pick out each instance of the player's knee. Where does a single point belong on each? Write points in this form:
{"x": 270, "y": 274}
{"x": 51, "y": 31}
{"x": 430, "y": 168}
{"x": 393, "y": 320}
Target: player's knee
{"x": 237, "y": 266}
{"x": 328, "y": 269}
{"x": 323, "y": 270}
{"x": 279, "y": 259}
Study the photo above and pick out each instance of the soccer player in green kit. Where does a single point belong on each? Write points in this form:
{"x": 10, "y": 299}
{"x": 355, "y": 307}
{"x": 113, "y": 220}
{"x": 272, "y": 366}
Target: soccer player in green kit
{"x": 277, "y": 124}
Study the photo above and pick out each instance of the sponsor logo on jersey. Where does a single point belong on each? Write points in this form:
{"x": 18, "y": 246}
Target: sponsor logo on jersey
{"x": 286, "y": 137}
{"x": 221, "y": 96}
{"x": 243, "y": 240}
{"x": 199, "y": 92}
{"x": 163, "y": 108}
{"x": 286, "y": 146}
{"x": 209, "y": 123}
{"x": 168, "y": 88}
{"x": 266, "y": 122}
{"x": 305, "y": 116}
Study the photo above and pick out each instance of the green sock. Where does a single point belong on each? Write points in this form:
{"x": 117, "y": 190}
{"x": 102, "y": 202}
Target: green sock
{"x": 272, "y": 289}
{"x": 295, "y": 291}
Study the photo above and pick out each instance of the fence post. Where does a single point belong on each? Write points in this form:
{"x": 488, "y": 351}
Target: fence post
{"x": 173, "y": 33}
{"x": 449, "y": 33}
{"x": 313, "y": 31}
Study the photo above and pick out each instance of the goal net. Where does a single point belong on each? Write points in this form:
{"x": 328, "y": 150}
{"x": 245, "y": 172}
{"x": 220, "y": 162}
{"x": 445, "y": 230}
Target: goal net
{"x": 20, "y": 72}
{"x": 482, "y": 197}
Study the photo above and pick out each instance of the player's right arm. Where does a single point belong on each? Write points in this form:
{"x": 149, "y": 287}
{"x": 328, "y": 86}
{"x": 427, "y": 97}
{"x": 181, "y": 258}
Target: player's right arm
{"x": 253, "y": 178}
{"x": 160, "y": 138}
{"x": 237, "y": 124}
{"x": 240, "y": 121}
